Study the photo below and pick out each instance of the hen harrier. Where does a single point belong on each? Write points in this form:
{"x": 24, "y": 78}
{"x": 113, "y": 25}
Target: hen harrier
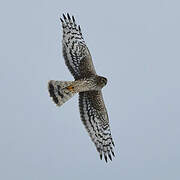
{"x": 87, "y": 83}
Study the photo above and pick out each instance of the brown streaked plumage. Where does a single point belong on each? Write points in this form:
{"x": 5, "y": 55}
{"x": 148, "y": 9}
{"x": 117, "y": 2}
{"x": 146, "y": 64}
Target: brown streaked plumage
{"x": 87, "y": 83}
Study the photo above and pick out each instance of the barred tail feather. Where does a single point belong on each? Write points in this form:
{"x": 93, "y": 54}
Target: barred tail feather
{"x": 60, "y": 91}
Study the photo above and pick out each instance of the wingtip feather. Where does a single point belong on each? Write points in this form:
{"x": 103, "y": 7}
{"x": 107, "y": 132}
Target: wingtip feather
{"x": 68, "y": 16}
{"x": 64, "y": 17}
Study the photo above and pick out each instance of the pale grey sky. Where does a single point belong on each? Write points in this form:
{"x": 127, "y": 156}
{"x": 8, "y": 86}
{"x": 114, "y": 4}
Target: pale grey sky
{"x": 136, "y": 45}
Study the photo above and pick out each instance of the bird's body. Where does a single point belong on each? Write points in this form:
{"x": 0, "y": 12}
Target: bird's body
{"x": 87, "y": 83}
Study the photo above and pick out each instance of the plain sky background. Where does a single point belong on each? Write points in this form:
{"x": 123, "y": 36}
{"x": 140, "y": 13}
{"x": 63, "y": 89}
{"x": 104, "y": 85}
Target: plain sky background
{"x": 136, "y": 45}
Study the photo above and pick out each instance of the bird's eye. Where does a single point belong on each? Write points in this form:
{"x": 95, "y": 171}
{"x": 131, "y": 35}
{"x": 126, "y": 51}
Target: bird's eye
{"x": 104, "y": 80}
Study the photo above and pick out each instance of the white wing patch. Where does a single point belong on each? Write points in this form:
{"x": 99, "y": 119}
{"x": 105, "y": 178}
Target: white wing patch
{"x": 97, "y": 125}
{"x": 74, "y": 47}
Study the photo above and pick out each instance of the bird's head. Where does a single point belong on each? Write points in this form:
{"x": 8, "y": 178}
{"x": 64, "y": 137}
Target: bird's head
{"x": 102, "y": 81}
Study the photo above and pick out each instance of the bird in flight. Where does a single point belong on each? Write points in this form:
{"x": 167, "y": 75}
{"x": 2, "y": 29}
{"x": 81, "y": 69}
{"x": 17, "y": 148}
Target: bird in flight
{"x": 87, "y": 84}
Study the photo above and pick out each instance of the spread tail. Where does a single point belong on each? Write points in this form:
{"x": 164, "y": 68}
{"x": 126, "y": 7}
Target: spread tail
{"x": 60, "y": 91}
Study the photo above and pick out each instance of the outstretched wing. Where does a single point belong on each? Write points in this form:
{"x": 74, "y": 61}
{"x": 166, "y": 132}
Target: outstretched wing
{"x": 76, "y": 54}
{"x": 95, "y": 118}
